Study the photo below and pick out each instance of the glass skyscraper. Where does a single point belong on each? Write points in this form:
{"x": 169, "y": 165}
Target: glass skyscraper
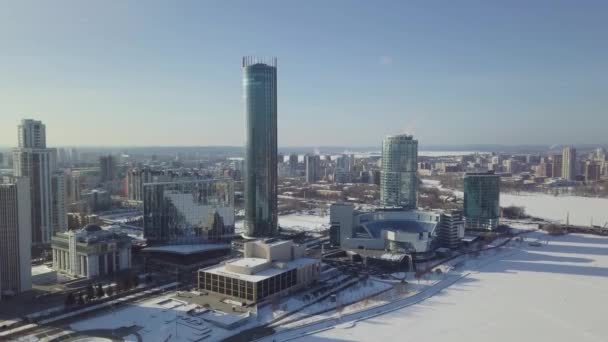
{"x": 260, "y": 93}
{"x": 481, "y": 200}
{"x": 186, "y": 212}
{"x": 399, "y": 181}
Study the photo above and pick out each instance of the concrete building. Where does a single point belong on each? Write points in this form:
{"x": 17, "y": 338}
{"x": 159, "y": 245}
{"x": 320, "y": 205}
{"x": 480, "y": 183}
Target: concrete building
{"x": 592, "y": 171}
{"x": 395, "y": 230}
{"x": 569, "y": 163}
{"x": 187, "y": 212}
{"x": 268, "y": 269}
{"x": 91, "y": 252}
{"x": 36, "y": 162}
{"x": 260, "y": 90}
{"x": 481, "y": 200}
{"x": 557, "y": 165}
{"x": 136, "y": 178}
{"x": 15, "y": 237}
{"x": 399, "y": 181}
{"x": 72, "y": 187}
{"x": 312, "y": 168}
{"x": 97, "y": 200}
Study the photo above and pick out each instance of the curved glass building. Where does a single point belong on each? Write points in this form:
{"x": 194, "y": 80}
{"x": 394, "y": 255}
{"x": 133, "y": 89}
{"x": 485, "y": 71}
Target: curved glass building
{"x": 398, "y": 181}
{"x": 260, "y": 93}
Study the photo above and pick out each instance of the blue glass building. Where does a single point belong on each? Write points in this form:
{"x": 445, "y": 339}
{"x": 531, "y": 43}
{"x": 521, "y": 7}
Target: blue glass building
{"x": 260, "y": 93}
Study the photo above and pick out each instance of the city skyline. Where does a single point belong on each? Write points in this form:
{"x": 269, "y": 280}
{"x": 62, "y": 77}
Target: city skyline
{"x": 170, "y": 71}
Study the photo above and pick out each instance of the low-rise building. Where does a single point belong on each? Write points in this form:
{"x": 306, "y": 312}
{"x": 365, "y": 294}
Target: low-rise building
{"x": 268, "y": 268}
{"x": 90, "y": 252}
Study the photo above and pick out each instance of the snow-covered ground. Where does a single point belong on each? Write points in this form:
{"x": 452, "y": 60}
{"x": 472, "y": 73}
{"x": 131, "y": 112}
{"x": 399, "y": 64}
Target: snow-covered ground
{"x": 582, "y": 210}
{"x": 556, "y": 292}
{"x": 316, "y": 222}
{"x": 304, "y": 222}
{"x": 160, "y": 319}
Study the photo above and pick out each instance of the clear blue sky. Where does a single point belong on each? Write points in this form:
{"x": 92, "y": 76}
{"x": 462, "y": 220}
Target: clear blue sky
{"x": 350, "y": 72}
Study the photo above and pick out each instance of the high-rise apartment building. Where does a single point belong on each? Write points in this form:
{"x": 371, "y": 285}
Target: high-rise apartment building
{"x": 592, "y": 171}
{"x": 399, "y": 182}
{"x": 15, "y": 237}
{"x": 31, "y": 134}
{"x": 59, "y": 202}
{"x": 107, "y": 168}
{"x": 556, "y": 163}
{"x": 33, "y": 160}
{"x": 481, "y": 200}
{"x": 569, "y": 163}
{"x": 293, "y": 164}
{"x": 312, "y": 167}
{"x": 260, "y": 95}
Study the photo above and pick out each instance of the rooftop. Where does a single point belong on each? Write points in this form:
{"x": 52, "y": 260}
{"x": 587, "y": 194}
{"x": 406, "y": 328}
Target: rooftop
{"x": 187, "y": 249}
{"x": 262, "y": 275}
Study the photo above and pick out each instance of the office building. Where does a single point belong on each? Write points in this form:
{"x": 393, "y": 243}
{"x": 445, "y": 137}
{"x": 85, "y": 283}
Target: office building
{"x": 91, "y": 252}
{"x": 312, "y": 168}
{"x": 59, "y": 202}
{"x": 260, "y": 93}
{"x": 569, "y": 163}
{"x": 107, "y": 168}
{"x": 15, "y": 237}
{"x": 36, "y": 162}
{"x": 268, "y": 269}
{"x": 481, "y": 200}
{"x": 399, "y": 182}
{"x": 136, "y": 178}
{"x": 187, "y": 212}
{"x": 451, "y": 229}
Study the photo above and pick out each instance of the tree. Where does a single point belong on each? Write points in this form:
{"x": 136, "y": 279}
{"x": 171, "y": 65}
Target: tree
{"x": 99, "y": 292}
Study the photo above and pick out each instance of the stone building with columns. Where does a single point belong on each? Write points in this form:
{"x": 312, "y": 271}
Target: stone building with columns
{"x": 91, "y": 252}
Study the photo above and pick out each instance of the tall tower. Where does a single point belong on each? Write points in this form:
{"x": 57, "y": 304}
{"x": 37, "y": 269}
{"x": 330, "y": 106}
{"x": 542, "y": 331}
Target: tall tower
{"x": 15, "y": 237}
{"x": 569, "y": 163}
{"x": 312, "y": 167}
{"x": 399, "y": 182}
{"x": 33, "y": 160}
{"x": 260, "y": 94}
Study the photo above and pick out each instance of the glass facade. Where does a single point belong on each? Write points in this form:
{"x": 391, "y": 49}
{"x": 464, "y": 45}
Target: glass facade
{"x": 260, "y": 93}
{"x": 398, "y": 181}
{"x": 247, "y": 290}
{"x": 481, "y": 200}
{"x": 189, "y": 211}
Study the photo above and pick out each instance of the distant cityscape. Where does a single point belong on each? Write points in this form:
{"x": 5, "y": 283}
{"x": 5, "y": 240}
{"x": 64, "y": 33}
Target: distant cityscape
{"x": 85, "y": 228}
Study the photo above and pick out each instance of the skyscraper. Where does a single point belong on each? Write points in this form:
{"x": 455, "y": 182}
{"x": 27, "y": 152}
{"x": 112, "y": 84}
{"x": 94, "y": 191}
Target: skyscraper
{"x": 481, "y": 200}
{"x": 569, "y": 163}
{"x": 15, "y": 237}
{"x": 107, "y": 168}
{"x": 260, "y": 95}
{"x": 556, "y": 163}
{"x": 312, "y": 168}
{"x": 33, "y": 160}
{"x": 398, "y": 182}
{"x": 59, "y": 202}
